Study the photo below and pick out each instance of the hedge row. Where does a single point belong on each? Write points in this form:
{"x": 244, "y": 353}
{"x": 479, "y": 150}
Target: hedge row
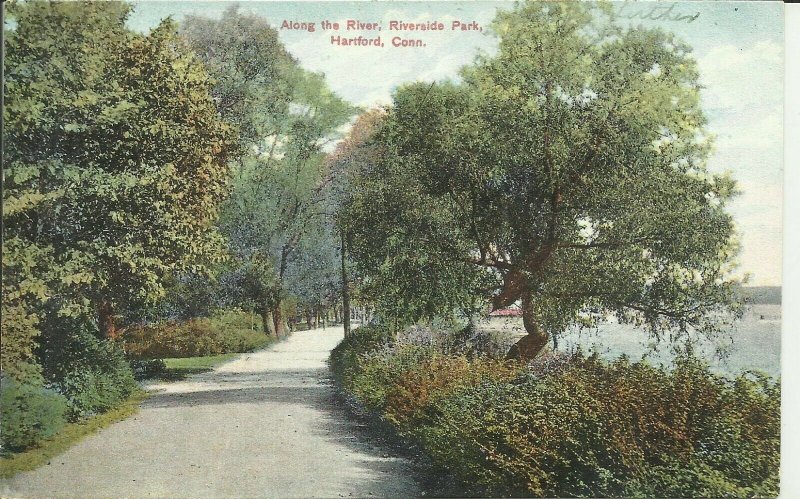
{"x": 571, "y": 425}
{"x": 227, "y": 332}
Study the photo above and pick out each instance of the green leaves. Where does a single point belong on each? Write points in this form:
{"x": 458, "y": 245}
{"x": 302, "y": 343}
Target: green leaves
{"x": 284, "y": 116}
{"x": 116, "y": 158}
{"x": 568, "y": 169}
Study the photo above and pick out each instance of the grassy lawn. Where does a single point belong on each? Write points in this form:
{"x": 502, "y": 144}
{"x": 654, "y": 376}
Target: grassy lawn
{"x": 180, "y": 368}
{"x": 71, "y": 434}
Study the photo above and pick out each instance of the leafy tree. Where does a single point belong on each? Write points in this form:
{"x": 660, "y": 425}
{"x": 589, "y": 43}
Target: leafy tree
{"x": 286, "y": 116}
{"x": 568, "y": 172}
{"x": 115, "y": 160}
{"x": 352, "y": 153}
{"x": 250, "y": 67}
{"x": 314, "y": 277}
{"x": 249, "y": 283}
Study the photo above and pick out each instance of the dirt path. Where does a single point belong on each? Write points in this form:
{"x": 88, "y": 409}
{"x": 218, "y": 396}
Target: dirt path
{"x": 263, "y": 425}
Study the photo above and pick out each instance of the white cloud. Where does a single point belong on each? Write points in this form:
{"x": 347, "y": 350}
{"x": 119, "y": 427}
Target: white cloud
{"x": 739, "y": 78}
{"x": 744, "y": 101}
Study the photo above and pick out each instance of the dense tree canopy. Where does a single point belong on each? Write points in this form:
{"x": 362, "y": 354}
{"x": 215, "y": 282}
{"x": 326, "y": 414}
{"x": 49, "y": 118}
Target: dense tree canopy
{"x": 286, "y": 116}
{"x": 115, "y": 160}
{"x": 568, "y": 173}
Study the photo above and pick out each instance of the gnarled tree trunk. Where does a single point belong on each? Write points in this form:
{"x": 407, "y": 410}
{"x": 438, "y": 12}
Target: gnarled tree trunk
{"x": 529, "y": 346}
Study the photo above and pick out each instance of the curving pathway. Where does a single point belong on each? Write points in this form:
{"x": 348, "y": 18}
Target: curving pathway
{"x": 265, "y": 424}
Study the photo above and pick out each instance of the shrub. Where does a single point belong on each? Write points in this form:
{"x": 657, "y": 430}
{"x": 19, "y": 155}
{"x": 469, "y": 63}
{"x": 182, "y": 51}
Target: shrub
{"x": 344, "y": 358}
{"x": 228, "y": 332}
{"x": 377, "y": 371}
{"x": 438, "y": 377}
{"x": 609, "y": 429}
{"x": 91, "y": 373}
{"x": 29, "y": 414}
{"x": 570, "y": 425}
{"x": 147, "y": 368}
{"x": 240, "y": 332}
{"x": 192, "y": 338}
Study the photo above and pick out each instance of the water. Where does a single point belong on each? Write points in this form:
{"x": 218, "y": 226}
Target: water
{"x": 756, "y": 343}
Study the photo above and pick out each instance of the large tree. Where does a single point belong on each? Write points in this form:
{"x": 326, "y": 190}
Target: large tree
{"x": 115, "y": 156}
{"x": 567, "y": 173}
{"x": 351, "y": 155}
{"x": 285, "y": 117}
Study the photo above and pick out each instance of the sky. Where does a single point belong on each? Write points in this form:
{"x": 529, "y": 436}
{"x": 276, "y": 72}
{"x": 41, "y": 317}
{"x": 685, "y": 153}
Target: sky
{"x": 738, "y": 45}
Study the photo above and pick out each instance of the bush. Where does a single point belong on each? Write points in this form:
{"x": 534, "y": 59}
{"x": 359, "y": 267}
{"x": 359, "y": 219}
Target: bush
{"x": 570, "y": 425}
{"x": 192, "y": 338}
{"x": 606, "y": 429}
{"x": 344, "y": 358}
{"x": 29, "y": 414}
{"x": 240, "y": 332}
{"x": 92, "y": 374}
{"x": 228, "y": 332}
{"x": 147, "y": 368}
{"x": 436, "y": 378}
{"x": 378, "y": 371}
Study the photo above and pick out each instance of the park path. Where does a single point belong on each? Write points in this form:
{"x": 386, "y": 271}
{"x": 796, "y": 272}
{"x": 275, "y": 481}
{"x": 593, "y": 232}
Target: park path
{"x": 266, "y": 424}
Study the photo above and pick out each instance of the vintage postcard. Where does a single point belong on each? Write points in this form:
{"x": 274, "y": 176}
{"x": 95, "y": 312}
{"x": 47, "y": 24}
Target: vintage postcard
{"x": 392, "y": 249}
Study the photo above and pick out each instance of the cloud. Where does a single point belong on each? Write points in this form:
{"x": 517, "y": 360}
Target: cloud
{"x": 740, "y": 78}
{"x": 743, "y": 97}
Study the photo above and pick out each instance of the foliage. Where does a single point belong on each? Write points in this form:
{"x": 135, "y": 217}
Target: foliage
{"x": 186, "y": 295}
{"x": 66, "y": 437}
{"x": 569, "y": 171}
{"x": 226, "y": 332}
{"x": 569, "y": 426}
{"x": 25, "y": 270}
{"x": 437, "y": 378}
{"x": 93, "y": 374}
{"x": 147, "y": 368}
{"x": 30, "y": 414}
{"x": 287, "y": 116}
{"x": 115, "y": 156}
{"x": 250, "y": 67}
{"x": 345, "y": 359}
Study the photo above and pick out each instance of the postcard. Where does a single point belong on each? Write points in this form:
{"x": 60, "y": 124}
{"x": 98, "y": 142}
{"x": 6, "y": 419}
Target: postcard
{"x": 392, "y": 249}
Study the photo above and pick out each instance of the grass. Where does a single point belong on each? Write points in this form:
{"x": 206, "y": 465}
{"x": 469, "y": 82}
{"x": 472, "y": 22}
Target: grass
{"x": 182, "y": 367}
{"x": 71, "y": 434}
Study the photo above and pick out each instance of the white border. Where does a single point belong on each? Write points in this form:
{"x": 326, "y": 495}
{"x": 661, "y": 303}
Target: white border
{"x": 790, "y": 347}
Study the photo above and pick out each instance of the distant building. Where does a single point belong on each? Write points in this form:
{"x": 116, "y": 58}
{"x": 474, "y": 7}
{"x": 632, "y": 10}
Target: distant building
{"x": 506, "y": 312}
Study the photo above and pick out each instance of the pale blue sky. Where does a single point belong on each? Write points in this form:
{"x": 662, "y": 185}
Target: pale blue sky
{"x": 739, "y": 47}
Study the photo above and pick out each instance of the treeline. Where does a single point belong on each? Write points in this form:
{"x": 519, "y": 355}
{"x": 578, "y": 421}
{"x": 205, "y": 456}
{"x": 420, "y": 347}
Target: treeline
{"x": 151, "y": 179}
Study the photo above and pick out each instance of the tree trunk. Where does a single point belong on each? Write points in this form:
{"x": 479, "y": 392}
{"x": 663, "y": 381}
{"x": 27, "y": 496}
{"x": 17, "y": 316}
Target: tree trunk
{"x": 309, "y": 322}
{"x": 277, "y": 319}
{"x": 266, "y": 322}
{"x": 529, "y": 346}
{"x": 106, "y": 322}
